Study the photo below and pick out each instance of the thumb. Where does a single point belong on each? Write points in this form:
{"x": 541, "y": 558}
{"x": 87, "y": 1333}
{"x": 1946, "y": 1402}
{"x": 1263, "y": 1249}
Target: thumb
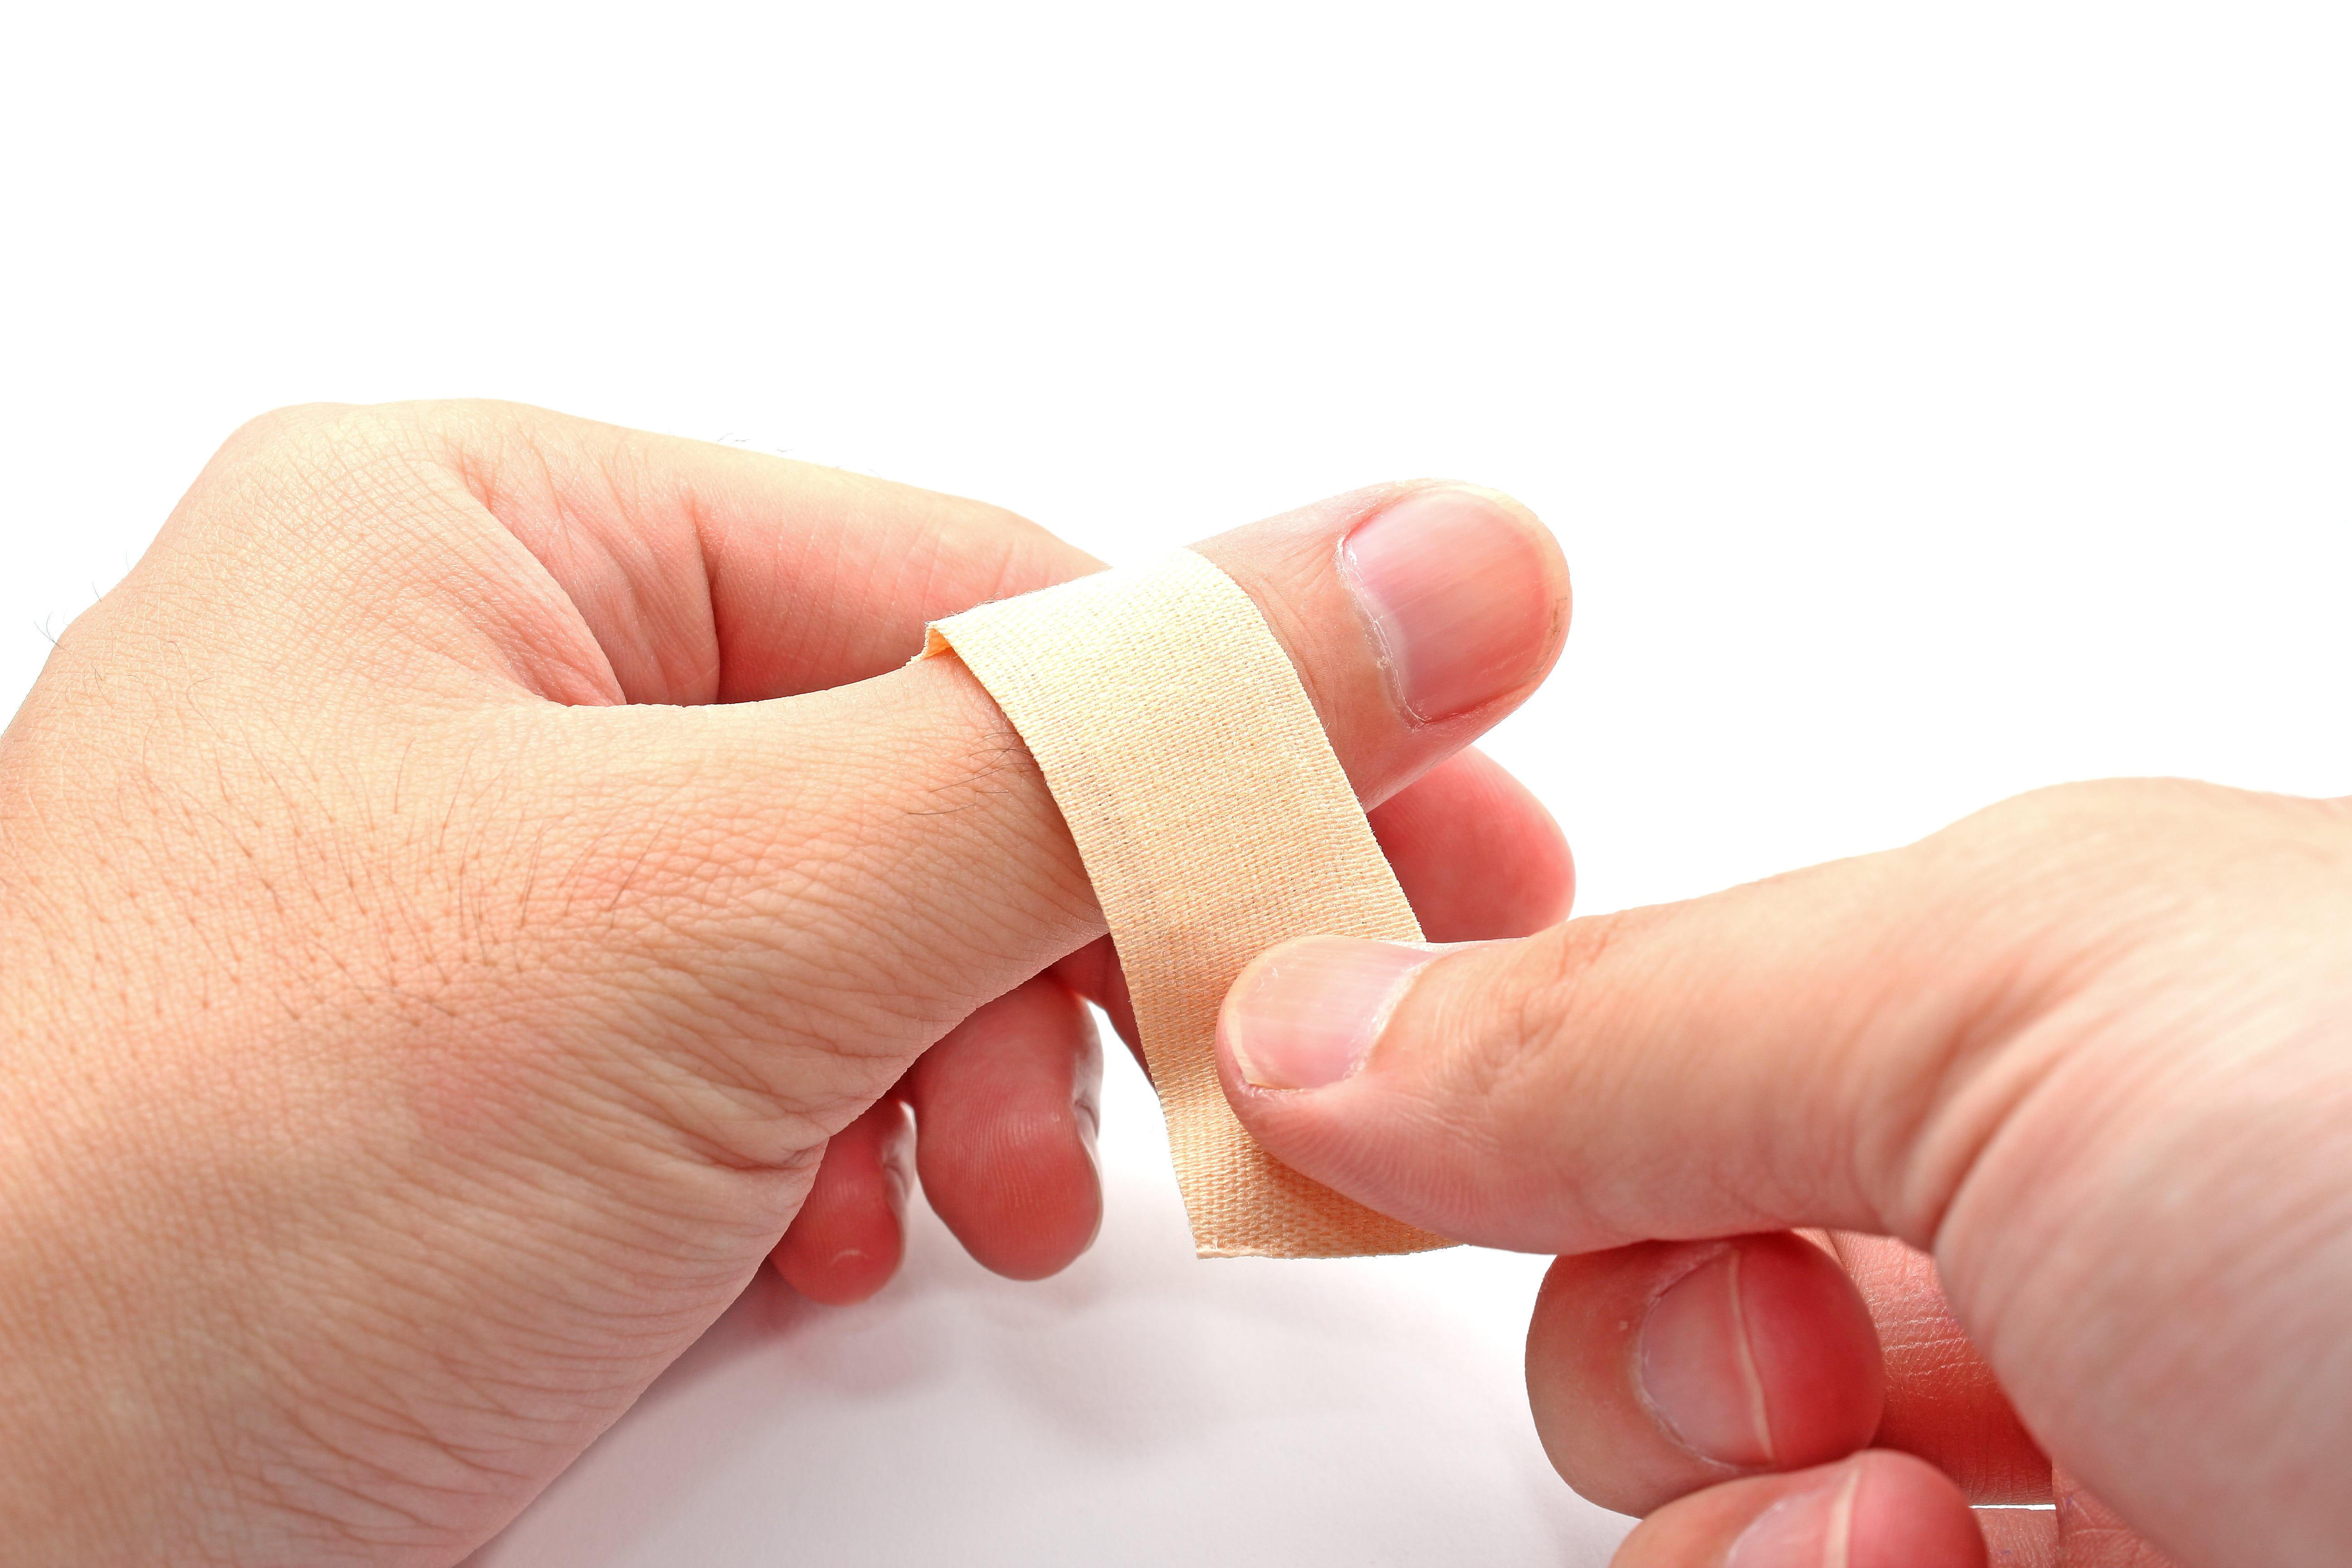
{"x": 1832, "y": 1048}
{"x": 857, "y": 869}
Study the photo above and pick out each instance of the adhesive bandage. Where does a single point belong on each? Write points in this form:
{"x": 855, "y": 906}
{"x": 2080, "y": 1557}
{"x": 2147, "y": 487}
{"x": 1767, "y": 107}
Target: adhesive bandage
{"x": 1214, "y": 822}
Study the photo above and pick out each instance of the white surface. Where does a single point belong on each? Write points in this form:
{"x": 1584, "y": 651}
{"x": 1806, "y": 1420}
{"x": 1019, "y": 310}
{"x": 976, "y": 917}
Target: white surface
{"x": 1934, "y": 403}
{"x": 1142, "y": 1408}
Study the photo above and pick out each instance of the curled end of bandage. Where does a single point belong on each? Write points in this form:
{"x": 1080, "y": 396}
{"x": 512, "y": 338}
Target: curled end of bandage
{"x": 1215, "y": 822}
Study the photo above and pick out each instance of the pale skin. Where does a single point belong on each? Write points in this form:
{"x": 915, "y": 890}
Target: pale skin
{"x": 486, "y": 881}
{"x": 2069, "y": 1087}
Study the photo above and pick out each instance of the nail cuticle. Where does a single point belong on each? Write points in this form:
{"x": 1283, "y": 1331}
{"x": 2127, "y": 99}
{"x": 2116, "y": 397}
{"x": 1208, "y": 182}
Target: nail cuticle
{"x": 1308, "y": 1020}
{"x": 1453, "y": 590}
{"x": 1813, "y": 1528}
{"x": 1696, "y": 1369}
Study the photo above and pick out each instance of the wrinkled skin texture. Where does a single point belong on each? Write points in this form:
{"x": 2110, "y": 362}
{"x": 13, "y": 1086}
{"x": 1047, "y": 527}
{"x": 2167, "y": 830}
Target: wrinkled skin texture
{"x": 479, "y": 879}
{"x": 2067, "y": 1088}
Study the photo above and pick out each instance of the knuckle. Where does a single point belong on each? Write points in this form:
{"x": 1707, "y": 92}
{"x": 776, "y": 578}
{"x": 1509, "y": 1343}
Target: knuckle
{"x": 970, "y": 544}
{"x": 289, "y": 471}
{"x": 2137, "y": 851}
{"x": 1572, "y": 968}
{"x": 1507, "y": 1038}
{"x": 333, "y": 451}
{"x": 279, "y": 428}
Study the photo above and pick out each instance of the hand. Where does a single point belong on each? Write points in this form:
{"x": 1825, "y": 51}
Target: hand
{"x": 2089, "y": 1051}
{"x": 457, "y": 886}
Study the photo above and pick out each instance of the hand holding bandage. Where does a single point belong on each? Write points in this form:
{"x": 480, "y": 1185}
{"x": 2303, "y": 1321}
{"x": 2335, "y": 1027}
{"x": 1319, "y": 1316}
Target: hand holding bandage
{"x": 1414, "y": 617}
{"x": 484, "y": 877}
{"x": 1214, "y": 822}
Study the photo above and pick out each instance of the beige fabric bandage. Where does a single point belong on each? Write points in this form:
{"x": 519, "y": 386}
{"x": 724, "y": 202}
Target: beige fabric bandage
{"x": 1214, "y": 822}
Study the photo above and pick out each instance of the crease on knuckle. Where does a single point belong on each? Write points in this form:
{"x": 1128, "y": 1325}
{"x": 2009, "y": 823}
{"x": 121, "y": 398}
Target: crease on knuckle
{"x": 1519, "y": 1048}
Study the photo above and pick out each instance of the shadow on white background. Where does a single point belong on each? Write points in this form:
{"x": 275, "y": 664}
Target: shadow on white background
{"x": 1932, "y": 402}
{"x": 1142, "y": 1408}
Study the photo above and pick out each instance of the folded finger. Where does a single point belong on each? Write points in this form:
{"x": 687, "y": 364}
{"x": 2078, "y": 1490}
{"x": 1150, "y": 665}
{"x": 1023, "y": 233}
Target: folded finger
{"x": 1006, "y": 1110}
{"x": 850, "y": 1234}
{"x": 1655, "y": 1369}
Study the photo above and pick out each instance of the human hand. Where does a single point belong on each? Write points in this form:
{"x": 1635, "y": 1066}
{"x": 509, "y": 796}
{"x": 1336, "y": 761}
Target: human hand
{"x": 2087, "y": 1051}
{"x": 483, "y": 874}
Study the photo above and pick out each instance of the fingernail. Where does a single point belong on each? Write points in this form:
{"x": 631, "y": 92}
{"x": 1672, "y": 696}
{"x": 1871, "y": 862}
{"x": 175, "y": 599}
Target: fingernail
{"x": 1460, "y": 595}
{"x": 1305, "y": 1015}
{"x": 898, "y": 1161}
{"x": 1813, "y": 1529}
{"x": 1698, "y": 1370}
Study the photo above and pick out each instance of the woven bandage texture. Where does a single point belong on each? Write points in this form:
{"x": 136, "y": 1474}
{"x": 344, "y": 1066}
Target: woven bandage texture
{"x": 1214, "y": 822}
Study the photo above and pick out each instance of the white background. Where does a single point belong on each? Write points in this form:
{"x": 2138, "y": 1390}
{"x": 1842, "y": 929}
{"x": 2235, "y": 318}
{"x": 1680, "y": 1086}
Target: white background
{"x": 1934, "y": 403}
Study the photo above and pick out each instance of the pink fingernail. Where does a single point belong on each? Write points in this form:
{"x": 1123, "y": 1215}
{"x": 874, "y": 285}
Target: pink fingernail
{"x": 1306, "y": 1013}
{"x": 1461, "y": 594}
{"x": 1698, "y": 1368}
{"x": 1811, "y": 1528}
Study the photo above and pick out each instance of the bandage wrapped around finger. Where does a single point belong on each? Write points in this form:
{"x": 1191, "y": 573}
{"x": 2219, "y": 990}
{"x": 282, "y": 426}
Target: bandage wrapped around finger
{"x": 1214, "y": 822}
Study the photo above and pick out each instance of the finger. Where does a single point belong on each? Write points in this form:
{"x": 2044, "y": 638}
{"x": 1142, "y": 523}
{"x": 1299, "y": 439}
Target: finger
{"x": 595, "y": 564}
{"x": 1973, "y": 1045}
{"x": 1477, "y": 855}
{"x": 1943, "y": 1402}
{"x": 2093, "y": 1535}
{"x": 1006, "y": 1107}
{"x": 1659, "y": 1369}
{"x": 1774, "y": 1056}
{"x": 1416, "y": 617}
{"x": 1873, "y": 1510}
{"x": 1093, "y": 972}
{"x": 857, "y": 869}
{"x": 850, "y": 1234}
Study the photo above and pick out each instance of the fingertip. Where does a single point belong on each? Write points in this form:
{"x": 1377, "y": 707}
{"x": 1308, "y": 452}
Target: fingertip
{"x": 1303, "y": 1016}
{"x": 841, "y": 1277}
{"x": 1026, "y": 1201}
{"x": 1007, "y": 1107}
{"x": 1876, "y": 1510}
{"x": 1466, "y": 594}
{"x": 850, "y": 1235}
{"x": 1906, "y": 1513}
{"x": 1417, "y": 615}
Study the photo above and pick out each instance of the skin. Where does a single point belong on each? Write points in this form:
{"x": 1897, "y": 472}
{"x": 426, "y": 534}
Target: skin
{"x": 486, "y": 881}
{"x": 2059, "y": 1098}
